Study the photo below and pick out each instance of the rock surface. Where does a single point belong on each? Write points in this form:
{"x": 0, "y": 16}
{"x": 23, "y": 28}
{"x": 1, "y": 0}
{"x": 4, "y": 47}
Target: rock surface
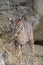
{"x": 38, "y": 6}
{"x": 1, "y": 60}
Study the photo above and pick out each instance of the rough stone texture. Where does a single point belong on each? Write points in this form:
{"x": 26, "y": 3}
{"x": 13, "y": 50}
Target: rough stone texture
{"x": 1, "y": 60}
{"x": 38, "y": 33}
{"x": 16, "y": 2}
{"x": 9, "y": 9}
{"x": 29, "y": 3}
{"x": 38, "y": 6}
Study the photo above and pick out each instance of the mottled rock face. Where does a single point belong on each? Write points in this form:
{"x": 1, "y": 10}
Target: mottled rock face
{"x": 15, "y": 2}
{"x": 10, "y": 3}
{"x": 1, "y": 60}
{"x": 38, "y": 6}
{"x": 12, "y": 7}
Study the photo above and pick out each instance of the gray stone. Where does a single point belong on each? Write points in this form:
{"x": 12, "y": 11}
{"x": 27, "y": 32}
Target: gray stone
{"x": 17, "y": 2}
{"x": 38, "y": 6}
{"x": 1, "y": 60}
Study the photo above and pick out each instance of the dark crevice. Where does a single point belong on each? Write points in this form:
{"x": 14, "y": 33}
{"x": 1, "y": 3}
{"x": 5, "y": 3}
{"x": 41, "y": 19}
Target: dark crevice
{"x": 23, "y": 4}
{"x": 39, "y": 42}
